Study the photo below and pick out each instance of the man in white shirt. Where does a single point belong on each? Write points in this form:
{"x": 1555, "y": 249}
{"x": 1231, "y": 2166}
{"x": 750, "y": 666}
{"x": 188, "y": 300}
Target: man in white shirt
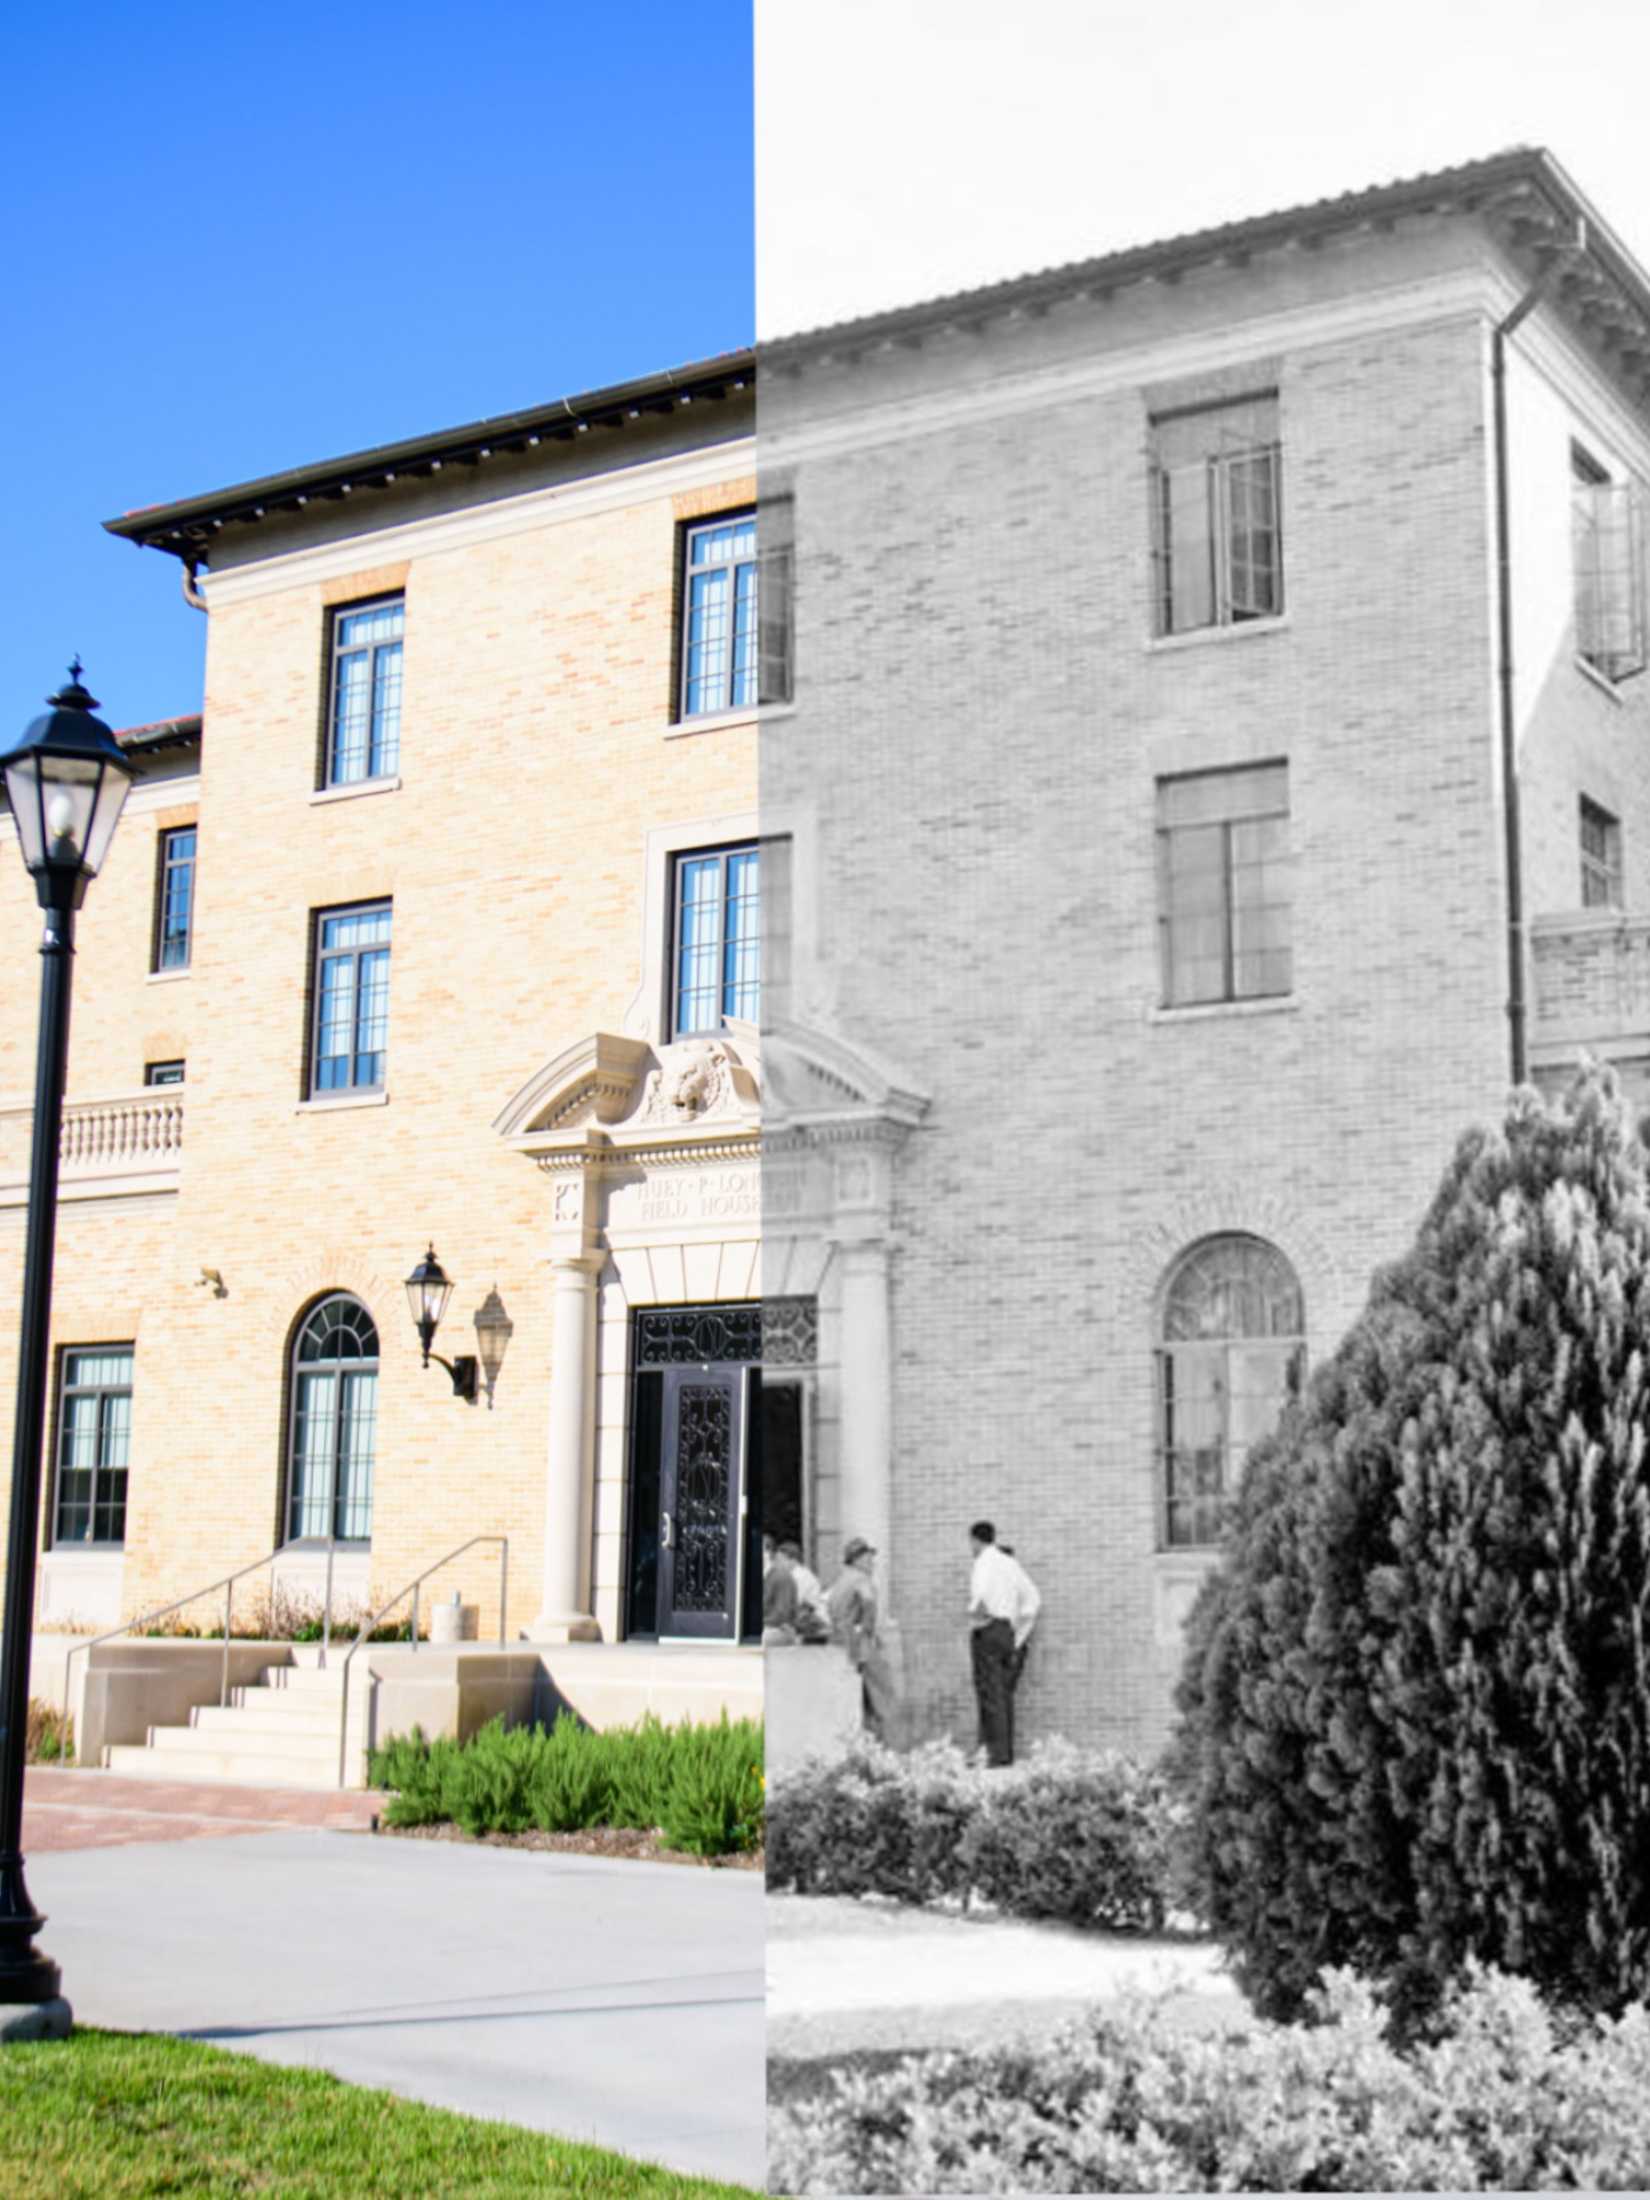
{"x": 999, "y": 1623}
{"x": 1025, "y": 1619}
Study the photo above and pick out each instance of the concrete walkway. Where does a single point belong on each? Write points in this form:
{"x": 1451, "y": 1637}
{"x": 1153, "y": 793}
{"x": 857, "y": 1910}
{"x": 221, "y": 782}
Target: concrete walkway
{"x": 844, "y": 1974}
{"x": 614, "y": 2002}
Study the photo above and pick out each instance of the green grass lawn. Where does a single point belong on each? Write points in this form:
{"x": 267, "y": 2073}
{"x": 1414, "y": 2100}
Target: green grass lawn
{"x": 115, "y": 2115}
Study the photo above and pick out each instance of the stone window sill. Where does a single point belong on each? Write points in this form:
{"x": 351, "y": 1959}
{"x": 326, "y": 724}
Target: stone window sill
{"x": 167, "y": 977}
{"x": 356, "y": 788}
{"x": 1601, "y": 681}
{"x": 332, "y": 1103}
{"x": 1271, "y": 1004}
{"x": 1199, "y": 637}
{"x": 721, "y": 721}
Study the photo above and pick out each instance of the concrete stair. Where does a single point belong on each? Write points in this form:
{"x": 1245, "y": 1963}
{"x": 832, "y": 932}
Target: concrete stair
{"x": 280, "y": 1732}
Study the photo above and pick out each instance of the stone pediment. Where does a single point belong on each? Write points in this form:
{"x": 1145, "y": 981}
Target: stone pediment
{"x": 622, "y": 1095}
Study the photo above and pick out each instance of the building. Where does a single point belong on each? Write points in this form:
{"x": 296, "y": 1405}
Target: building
{"x": 438, "y": 929}
{"x": 1165, "y": 628}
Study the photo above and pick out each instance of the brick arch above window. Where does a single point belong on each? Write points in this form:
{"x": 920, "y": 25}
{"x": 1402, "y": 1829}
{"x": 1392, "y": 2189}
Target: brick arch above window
{"x": 1232, "y": 1209}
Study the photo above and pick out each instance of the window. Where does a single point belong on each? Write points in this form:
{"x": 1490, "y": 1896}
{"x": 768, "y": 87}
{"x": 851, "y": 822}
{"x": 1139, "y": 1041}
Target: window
{"x": 1600, "y": 858}
{"x": 352, "y": 999}
{"x": 163, "y": 1073}
{"x": 1607, "y": 543}
{"x": 1230, "y": 1353}
{"x": 775, "y": 968}
{"x": 334, "y": 1423}
{"x": 720, "y": 636}
{"x": 94, "y": 1445}
{"x": 364, "y": 708}
{"x": 716, "y": 939}
{"x": 1223, "y": 885}
{"x": 1217, "y": 517}
{"x": 175, "y": 899}
{"x": 776, "y": 540}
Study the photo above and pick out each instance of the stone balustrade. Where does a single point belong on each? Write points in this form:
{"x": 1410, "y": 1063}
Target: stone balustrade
{"x": 131, "y": 1142}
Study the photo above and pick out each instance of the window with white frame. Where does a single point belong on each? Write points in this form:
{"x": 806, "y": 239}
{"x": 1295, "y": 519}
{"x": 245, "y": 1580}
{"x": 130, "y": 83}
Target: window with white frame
{"x": 1607, "y": 544}
{"x": 175, "y": 899}
{"x": 364, "y": 693}
{"x": 334, "y": 1423}
{"x": 720, "y": 631}
{"x": 1217, "y": 514}
{"x": 94, "y": 1445}
{"x": 352, "y": 999}
{"x": 1231, "y": 1347}
{"x": 1600, "y": 857}
{"x": 1224, "y": 918}
{"x": 716, "y": 938}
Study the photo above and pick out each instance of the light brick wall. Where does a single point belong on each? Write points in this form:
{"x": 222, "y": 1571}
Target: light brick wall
{"x": 535, "y": 759}
{"x": 981, "y": 719}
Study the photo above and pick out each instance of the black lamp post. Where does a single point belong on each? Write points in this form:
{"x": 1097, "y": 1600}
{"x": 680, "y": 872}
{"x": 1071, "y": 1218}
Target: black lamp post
{"x": 428, "y": 1289}
{"x": 66, "y": 781}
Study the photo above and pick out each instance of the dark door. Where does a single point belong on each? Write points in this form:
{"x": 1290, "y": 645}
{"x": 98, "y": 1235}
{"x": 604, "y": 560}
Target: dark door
{"x": 699, "y": 1492}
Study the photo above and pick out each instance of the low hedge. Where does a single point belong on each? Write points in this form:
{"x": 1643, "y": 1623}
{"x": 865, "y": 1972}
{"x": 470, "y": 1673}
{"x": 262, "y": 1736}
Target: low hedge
{"x": 1497, "y": 2098}
{"x": 700, "y": 1787}
{"x": 1083, "y": 1836}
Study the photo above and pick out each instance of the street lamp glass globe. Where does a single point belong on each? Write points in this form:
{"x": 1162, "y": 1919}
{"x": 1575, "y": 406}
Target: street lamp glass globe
{"x": 66, "y": 781}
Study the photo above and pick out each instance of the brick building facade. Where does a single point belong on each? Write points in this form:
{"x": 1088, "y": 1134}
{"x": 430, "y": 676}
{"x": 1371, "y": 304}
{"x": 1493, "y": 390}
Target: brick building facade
{"x": 1147, "y": 824}
{"x": 440, "y": 928}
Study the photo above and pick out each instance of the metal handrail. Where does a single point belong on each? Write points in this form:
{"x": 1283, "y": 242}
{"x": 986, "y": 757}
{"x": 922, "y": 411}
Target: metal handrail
{"x": 145, "y": 1619}
{"x": 412, "y": 1588}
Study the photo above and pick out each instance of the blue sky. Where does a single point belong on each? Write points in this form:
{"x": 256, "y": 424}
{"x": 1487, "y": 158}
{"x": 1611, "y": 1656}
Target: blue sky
{"x": 237, "y": 239}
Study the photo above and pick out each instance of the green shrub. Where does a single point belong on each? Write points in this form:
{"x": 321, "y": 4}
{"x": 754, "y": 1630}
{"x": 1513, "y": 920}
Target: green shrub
{"x": 1084, "y": 1836}
{"x": 701, "y": 1786}
{"x": 49, "y": 1737}
{"x": 1499, "y": 2097}
{"x": 1416, "y": 1699}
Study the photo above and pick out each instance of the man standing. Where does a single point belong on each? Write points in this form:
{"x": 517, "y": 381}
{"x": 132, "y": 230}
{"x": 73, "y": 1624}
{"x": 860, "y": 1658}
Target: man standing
{"x": 995, "y": 1610}
{"x": 851, "y": 1603}
{"x": 1025, "y": 1619}
{"x": 779, "y": 1603}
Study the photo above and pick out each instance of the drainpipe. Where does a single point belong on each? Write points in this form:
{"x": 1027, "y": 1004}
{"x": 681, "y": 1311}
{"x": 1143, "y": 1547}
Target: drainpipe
{"x": 1517, "y": 1013}
{"x": 191, "y": 591}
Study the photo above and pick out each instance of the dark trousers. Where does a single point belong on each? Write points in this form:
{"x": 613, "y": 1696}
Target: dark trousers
{"x": 994, "y": 1677}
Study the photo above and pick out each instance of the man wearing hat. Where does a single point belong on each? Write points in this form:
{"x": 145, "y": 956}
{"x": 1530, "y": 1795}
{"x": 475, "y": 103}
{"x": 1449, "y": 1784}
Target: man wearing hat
{"x": 851, "y": 1603}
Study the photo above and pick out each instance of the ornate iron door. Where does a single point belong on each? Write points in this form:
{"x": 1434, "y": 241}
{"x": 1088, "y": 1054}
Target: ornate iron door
{"x": 699, "y": 1493}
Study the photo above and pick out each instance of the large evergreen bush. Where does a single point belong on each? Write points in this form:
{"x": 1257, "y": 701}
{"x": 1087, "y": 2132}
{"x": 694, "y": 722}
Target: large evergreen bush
{"x": 1416, "y": 1699}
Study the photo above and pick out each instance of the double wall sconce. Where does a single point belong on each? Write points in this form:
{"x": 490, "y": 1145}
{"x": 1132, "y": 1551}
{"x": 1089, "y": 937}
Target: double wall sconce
{"x": 429, "y": 1287}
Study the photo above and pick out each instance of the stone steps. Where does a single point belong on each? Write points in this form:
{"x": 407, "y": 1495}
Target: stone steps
{"x": 280, "y": 1732}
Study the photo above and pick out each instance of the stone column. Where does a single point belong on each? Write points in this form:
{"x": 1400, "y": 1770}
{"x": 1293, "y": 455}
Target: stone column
{"x": 564, "y": 1615}
{"x": 866, "y": 1401}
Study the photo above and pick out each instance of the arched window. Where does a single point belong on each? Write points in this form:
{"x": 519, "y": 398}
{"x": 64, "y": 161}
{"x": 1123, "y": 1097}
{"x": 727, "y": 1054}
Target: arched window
{"x": 1230, "y": 1349}
{"x": 334, "y": 1422}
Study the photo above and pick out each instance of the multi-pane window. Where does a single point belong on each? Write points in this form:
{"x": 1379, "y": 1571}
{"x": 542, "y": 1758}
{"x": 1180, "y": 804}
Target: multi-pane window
{"x": 776, "y": 539}
{"x": 1230, "y": 1351}
{"x": 175, "y": 899}
{"x": 334, "y": 1423}
{"x": 163, "y": 1073}
{"x": 720, "y": 633}
{"x": 1223, "y": 885}
{"x": 1217, "y": 515}
{"x": 94, "y": 1445}
{"x": 776, "y": 929}
{"x": 364, "y": 712}
{"x": 1607, "y": 542}
{"x": 716, "y": 939}
{"x": 1600, "y": 857}
{"x": 352, "y": 998}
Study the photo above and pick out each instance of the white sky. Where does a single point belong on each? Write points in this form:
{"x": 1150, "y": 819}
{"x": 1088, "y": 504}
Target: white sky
{"x": 905, "y": 148}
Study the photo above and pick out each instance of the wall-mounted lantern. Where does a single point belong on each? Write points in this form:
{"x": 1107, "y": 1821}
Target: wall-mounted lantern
{"x": 428, "y": 1289}
{"x": 494, "y": 1329}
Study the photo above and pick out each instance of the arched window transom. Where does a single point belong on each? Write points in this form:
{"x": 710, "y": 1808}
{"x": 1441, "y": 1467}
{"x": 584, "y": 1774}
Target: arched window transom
{"x": 1230, "y": 1349}
{"x": 334, "y": 1423}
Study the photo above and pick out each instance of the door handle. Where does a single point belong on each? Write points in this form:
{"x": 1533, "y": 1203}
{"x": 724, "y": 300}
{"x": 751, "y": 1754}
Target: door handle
{"x": 665, "y": 1536}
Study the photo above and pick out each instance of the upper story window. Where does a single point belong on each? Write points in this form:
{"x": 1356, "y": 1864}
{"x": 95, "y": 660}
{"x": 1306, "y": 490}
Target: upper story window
{"x": 94, "y": 1445}
{"x": 1223, "y": 885}
{"x": 1607, "y": 543}
{"x": 1217, "y": 514}
{"x": 364, "y": 710}
{"x": 163, "y": 1073}
{"x": 776, "y": 968}
{"x": 720, "y": 634}
{"x": 175, "y": 898}
{"x": 1231, "y": 1346}
{"x": 352, "y": 999}
{"x": 776, "y": 539}
{"x": 1600, "y": 857}
{"x": 716, "y": 939}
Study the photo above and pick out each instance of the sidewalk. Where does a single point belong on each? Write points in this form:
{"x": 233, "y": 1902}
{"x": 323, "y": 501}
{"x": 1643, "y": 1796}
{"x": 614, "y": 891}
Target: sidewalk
{"x": 609, "y": 2001}
{"x": 66, "y": 1809}
{"x": 844, "y": 1975}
